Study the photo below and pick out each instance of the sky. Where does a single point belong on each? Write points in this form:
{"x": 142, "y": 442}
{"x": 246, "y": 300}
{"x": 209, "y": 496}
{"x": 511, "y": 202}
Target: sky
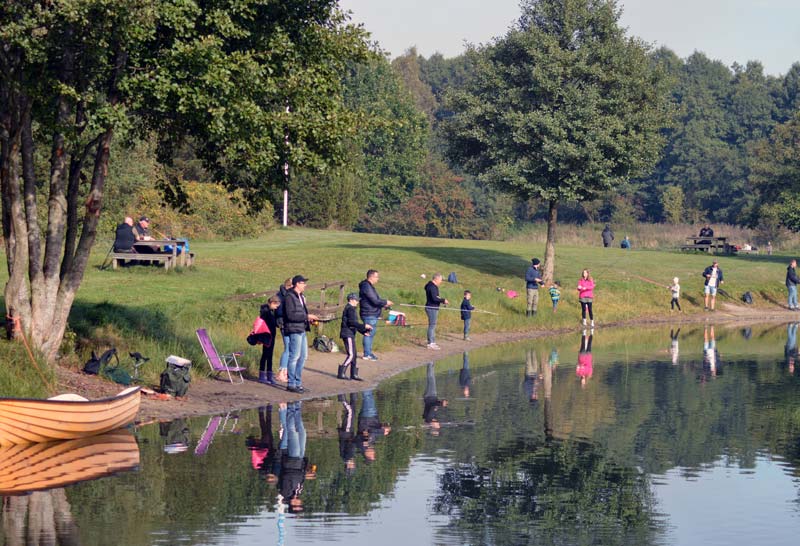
{"x": 727, "y": 30}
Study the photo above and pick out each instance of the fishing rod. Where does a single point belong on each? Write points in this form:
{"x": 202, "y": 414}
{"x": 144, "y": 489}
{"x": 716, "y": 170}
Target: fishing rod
{"x": 444, "y": 309}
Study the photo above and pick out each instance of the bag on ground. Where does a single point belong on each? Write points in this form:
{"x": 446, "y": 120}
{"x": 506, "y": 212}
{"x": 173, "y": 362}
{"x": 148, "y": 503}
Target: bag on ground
{"x": 175, "y": 379}
{"x": 323, "y": 344}
{"x": 452, "y": 277}
{"x": 95, "y": 364}
{"x": 747, "y": 297}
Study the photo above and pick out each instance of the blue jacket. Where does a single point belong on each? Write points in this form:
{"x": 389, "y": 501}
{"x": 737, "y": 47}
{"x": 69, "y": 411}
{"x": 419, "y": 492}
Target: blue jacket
{"x": 531, "y": 277}
{"x": 466, "y": 309}
{"x": 791, "y": 277}
{"x": 370, "y": 302}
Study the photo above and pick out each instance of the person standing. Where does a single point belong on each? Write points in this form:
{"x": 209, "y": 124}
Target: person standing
{"x": 675, "y": 290}
{"x": 371, "y": 307}
{"x": 432, "y": 302}
{"x": 347, "y": 332}
{"x": 607, "y": 235}
{"x": 466, "y": 312}
{"x": 713, "y": 276}
{"x": 585, "y": 360}
{"x": 283, "y": 368}
{"x": 296, "y": 322}
{"x": 533, "y": 280}
{"x": 791, "y": 284}
{"x": 586, "y": 296}
{"x": 267, "y": 314}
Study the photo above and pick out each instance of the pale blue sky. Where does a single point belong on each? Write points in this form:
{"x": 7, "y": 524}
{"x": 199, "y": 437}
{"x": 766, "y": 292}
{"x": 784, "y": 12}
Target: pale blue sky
{"x": 728, "y": 30}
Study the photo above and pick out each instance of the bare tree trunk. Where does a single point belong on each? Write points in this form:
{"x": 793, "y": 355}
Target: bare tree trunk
{"x": 550, "y": 245}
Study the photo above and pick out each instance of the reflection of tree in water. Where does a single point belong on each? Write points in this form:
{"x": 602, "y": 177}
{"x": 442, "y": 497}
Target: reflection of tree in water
{"x": 43, "y": 517}
{"x": 565, "y": 491}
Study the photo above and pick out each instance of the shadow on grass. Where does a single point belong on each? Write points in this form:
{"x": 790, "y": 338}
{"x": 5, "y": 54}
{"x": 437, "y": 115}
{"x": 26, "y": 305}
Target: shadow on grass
{"x": 490, "y": 262}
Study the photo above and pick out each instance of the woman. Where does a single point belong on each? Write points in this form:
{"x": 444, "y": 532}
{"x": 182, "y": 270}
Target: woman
{"x": 586, "y": 295}
{"x": 283, "y": 374}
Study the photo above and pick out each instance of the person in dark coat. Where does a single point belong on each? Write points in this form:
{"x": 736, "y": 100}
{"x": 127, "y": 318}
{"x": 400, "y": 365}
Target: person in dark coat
{"x": 371, "y": 306}
{"x": 347, "y": 332}
{"x": 268, "y": 314}
{"x": 347, "y": 435}
{"x": 431, "y": 400}
{"x": 607, "y": 235}
{"x": 296, "y": 322}
{"x": 432, "y": 302}
{"x": 791, "y": 284}
{"x": 713, "y": 277}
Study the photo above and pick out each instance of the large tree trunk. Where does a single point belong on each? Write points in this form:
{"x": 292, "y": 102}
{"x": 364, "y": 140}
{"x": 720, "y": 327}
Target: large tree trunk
{"x": 550, "y": 245}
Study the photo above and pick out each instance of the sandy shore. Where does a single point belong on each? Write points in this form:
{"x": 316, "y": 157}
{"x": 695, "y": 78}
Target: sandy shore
{"x": 208, "y": 396}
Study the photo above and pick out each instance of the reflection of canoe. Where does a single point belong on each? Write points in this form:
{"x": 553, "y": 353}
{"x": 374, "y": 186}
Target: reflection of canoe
{"x": 24, "y": 421}
{"x": 33, "y": 467}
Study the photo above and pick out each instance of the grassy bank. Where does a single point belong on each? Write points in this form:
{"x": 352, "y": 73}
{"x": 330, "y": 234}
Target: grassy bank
{"x": 156, "y": 312}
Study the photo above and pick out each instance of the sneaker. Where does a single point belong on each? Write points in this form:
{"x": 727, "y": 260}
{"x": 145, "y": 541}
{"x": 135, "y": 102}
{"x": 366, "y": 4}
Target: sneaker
{"x": 433, "y": 346}
{"x": 368, "y": 357}
{"x": 467, "y": 338}
{"x": 373, "y": 357}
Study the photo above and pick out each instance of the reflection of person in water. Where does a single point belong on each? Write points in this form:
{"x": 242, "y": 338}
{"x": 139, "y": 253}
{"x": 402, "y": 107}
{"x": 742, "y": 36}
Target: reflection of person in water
{"x": 584, "y": 369}
{"x": 674, "y": 349}
{"x": 790, "y": 349}
{"x": 553, "y": 361}
{"x": 431, "y": 400}
{"x": 370, "y": 427}
{"x": 294, "y": 463}
{"x": 547, "y": 386}
{"x": 533, "y": 376}
{"x": 262, "y": 450}
{"x": 464, "y": 377}
{"x": 347, "y": 437}
{"x": 710, "y": 353}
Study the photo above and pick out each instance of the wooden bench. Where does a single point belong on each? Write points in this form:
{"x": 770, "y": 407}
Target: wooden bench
{"x": 117, "y": 258}
{"x": 707, "y": 244}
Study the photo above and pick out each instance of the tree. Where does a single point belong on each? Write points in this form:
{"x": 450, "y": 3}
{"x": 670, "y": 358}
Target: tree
{"x": 563, "y": 107}
{"x": 77, "y": 73}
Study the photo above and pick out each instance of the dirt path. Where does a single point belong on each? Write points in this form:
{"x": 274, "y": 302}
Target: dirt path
{"x": 208, "y": 396}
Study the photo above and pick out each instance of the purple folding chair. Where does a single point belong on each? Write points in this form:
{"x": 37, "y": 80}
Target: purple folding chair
{"x": 208, "y": 435}
{"x": 220, "y": 363}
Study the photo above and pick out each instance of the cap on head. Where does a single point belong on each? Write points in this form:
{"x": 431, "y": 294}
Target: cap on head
{"x": 352, "y": 296}
{"x": 535, "y": 261}
{"x": 298, "y": 279}
{"x": 144, "y": 219}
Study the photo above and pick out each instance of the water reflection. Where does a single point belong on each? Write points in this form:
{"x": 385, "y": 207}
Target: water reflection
{"x": 628, "y": 444}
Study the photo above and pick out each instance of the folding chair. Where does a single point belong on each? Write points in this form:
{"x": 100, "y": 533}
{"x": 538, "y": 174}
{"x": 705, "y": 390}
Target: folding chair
{"x": 220, "y": 363}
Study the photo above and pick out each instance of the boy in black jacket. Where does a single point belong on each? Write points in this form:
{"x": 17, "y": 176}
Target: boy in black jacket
{"x": 466, "y": 312}
{"x": 350, "y": 326}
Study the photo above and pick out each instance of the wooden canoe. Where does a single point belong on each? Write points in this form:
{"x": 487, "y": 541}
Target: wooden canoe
{"x": 36, "y": 467}
{"x": 25, "y": 421}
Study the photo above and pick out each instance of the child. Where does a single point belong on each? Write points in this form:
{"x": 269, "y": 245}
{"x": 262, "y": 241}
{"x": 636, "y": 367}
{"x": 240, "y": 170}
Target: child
{"x": 347, "y": 332}
{"x": 676, "y": 293}
{"x": 466, "y": 313}
{"x": 268, "y": 315}
{"x": 586, "y": 295}
{"x": 555, "y": 294}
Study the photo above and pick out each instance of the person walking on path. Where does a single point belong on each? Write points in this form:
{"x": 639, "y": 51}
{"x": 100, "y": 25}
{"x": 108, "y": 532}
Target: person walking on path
{"x": 350, "y": 326}
{"x": 713, "y": 276}
{"x": 466, "y": 312}
{"x": 586, "y": 296}
{"x": 607, "y": 235}
{"x": 675, "y": 290}
{"x": 791, "y": 284}
{"x": 371, "y": 307}
{"x": 533, "y": 280}
{"x": 296, "y": 322}
{"x": 432, "y": 302}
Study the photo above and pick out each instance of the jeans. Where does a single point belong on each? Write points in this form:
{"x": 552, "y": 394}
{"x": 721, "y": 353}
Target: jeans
{"x": 298, "y": 352}
{"x": 466, "y": 326}
{"x": 368, "y": 407}
{"x": 792, "y": 296}
{"x": 433, "y": 315}
{"x": 372, "y": 321}
{"x": 284, "y": 364}
{"x": 295, "y": 432}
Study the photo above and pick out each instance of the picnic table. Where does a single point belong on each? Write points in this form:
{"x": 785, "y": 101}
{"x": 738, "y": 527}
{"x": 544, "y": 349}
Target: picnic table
{"x": 707, "y": 244}
{"x": 152, "y": 251}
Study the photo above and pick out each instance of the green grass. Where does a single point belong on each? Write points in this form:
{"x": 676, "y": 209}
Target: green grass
{"x": 156, "y": 312}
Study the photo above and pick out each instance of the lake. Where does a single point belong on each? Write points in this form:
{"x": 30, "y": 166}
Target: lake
{"x": 620, "y": 436}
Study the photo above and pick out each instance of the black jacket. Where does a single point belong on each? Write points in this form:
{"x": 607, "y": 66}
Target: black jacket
{"x": 295, "y": 314}
{"x": 124, "y": 238}
{"x": 350, "y": 323}
{"x": 791, "y": 277}
{"x": 707, "y": 271}
{"x": 269, "y": 316}
{"x": 371, "y": 303}
{"x": 466, "y": 309}
{"x": 432, "y": 297}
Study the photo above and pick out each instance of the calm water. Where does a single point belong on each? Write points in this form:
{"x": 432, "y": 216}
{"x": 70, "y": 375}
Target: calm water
{"x": 627, "y": 437}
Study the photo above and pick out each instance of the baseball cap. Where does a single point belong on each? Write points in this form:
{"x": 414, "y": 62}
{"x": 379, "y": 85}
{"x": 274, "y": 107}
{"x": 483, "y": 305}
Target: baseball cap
{"x": 352, "y": 296}
{"x": 298, "y": 279}
{"x": 144, "y": 219}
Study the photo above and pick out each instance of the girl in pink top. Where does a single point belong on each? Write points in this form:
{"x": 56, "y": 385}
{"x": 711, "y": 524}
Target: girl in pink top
{"x": 585, "y": 363}
{"x": 586, "y": 295}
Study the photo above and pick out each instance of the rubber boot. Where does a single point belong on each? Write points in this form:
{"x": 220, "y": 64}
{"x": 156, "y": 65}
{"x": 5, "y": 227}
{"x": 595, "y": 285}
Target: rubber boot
{"x": 340, "y": 374}
{"x": 262, "y": 377}
{"x": 354, "y": 374}
{"x": 270, "y": 378}
{"x": 527, "y": 313}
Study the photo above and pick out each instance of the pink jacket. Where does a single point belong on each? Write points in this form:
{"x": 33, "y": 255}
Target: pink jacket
{"x": 586, "y": 288}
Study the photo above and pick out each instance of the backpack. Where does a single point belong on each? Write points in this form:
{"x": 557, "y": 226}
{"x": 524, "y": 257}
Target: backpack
{"x": 175, "y": 380}
{"x": 323, "y": 344}
{"x": 747, "y": 297}
{"x": 95, "y": 364}
{"x": 452, "y": 277}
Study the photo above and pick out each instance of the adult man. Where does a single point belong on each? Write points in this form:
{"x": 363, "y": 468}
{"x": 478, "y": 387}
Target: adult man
{"x": 706, "y": 231}
{"x": 432, "y": 302}
{"x": 371, "y": 306}
{"x": 296, "y": 322}
{"x": 608, "y": 236}
{"x": 791, "y": 284}
{"x": 124, "y": 236}
{"x": 142, "y": 229}
{"x": 713, "y": 276}
{"x": 533, "y": 279}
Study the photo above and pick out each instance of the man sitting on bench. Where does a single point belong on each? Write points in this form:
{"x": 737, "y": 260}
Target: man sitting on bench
{"x": 124, "y": 239}
{"x": 706, "y": 231}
